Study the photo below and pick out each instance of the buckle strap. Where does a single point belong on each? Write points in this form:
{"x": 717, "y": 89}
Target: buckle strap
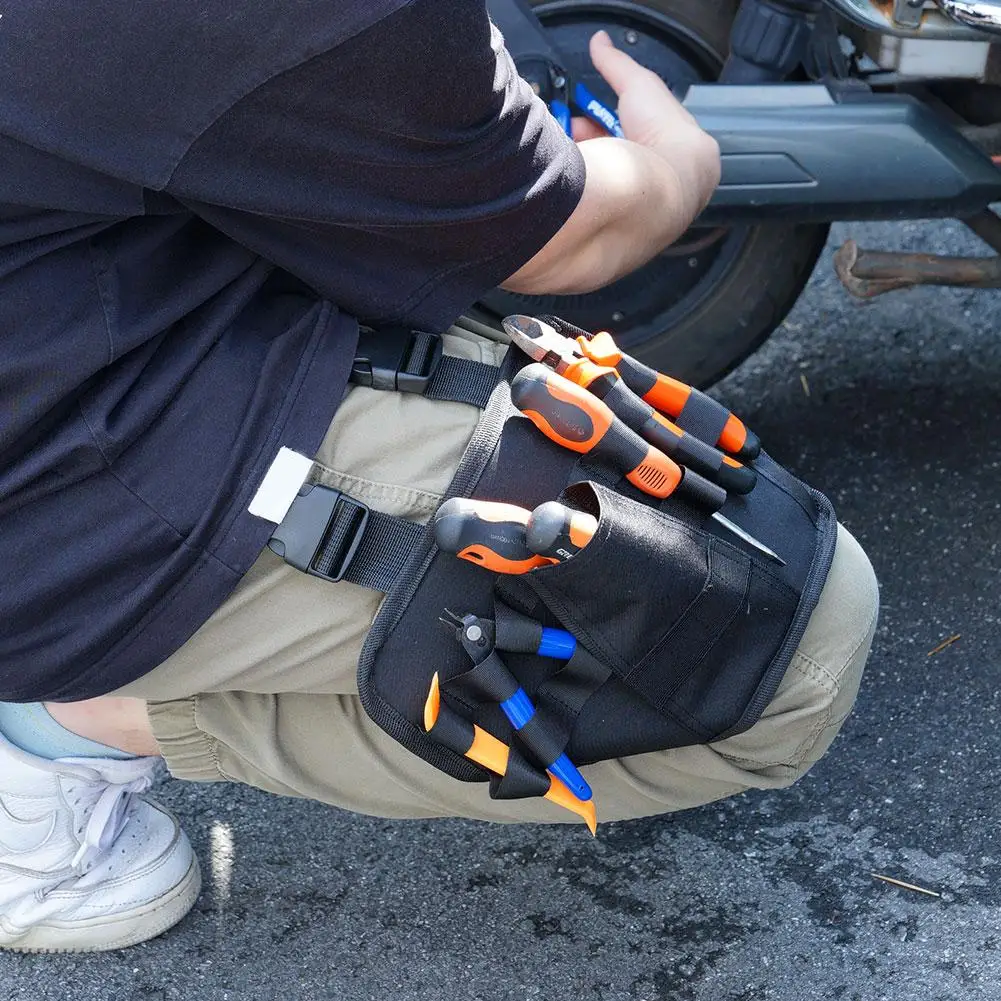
{"x": 396, "y": 358}
{"x": 412, "y": 361}
{"x": 461, "y": 380}
{"x": 321, "y": 533}
{"x": 385, "y": 549}
{"x": 330, "y": 535}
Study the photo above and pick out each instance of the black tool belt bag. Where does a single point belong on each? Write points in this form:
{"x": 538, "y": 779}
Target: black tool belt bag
{"x": 683, "y": 631}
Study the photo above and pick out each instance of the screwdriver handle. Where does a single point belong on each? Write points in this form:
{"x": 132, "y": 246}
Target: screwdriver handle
{"x": 684, "y": 448}
{"x": 487, "y": 533}
{"x": 576, "y": 419}
{"x": 559, "y": 531}
{"x": 661, "y": 391}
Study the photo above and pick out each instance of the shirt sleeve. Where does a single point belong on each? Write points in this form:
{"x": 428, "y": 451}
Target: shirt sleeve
{"x": 402, "y": 174}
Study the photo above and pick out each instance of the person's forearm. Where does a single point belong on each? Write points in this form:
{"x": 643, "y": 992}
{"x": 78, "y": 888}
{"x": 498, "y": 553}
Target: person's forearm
{"x": 635, "y": 203}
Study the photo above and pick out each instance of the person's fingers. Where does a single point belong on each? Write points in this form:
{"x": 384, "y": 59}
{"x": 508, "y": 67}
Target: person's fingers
{"x": 584, "y": 128}
{"x": 623, "y": 73}
{"x": 618, "y": 69}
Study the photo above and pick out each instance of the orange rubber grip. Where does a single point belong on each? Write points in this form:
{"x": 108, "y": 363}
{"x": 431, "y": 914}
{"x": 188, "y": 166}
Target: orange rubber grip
{"x": 576, "y": 419}
{"x": 661, "y": 391}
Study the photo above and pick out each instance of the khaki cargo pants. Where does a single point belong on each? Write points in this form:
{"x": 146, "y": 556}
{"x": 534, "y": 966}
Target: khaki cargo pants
{"x": 265, "y": 693}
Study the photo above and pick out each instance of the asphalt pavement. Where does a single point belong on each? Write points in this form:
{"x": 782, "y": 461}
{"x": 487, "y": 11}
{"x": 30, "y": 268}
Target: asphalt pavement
{"x": 892, "y": 408}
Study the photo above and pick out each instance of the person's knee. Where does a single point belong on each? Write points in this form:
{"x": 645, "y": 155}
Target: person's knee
{"x": 822, "y": 682}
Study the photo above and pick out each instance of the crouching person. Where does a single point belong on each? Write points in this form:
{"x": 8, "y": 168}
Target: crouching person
{"x": 182, "y": 296}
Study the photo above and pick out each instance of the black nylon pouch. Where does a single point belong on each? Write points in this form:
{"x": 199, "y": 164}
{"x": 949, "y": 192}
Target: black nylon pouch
{"x": 673, "y": 611}
{"x": 684, "y": 632}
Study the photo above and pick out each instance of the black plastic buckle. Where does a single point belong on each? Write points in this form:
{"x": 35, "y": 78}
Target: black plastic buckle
{"x": 397, "y": 358}
{"x": 321, "y": 532}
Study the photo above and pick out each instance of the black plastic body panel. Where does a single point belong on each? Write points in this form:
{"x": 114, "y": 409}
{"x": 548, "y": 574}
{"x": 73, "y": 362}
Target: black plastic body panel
{"x": 796, "y": 153}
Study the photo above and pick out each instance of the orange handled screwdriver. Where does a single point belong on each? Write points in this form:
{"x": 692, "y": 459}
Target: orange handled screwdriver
{"x": 559, "y": 531}
{"x": 487, "y": 533}
{"x": 576, "y": 419}
{"x": 659, "y": 390}
{"x": 485, "y": 750}
{"x": 543, "y": 343}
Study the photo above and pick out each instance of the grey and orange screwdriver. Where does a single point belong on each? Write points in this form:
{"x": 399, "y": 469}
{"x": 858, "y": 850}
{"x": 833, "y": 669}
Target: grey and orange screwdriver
{"x": 544, "y": 344}
{"x": 576, "y": 419}
{"x": 558, "y": 531}
{"x": 661, "y": 391}
{"x": 508, "y": 539}
{"x": 487, "y": 533}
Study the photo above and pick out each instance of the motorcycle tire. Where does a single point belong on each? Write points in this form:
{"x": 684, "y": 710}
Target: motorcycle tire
{"x": 698, "y": 315}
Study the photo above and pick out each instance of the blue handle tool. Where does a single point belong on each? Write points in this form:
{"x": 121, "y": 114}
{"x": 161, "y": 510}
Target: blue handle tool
{"x": 597, "y": 111}
{"x": 519, "y": 710}
{"x": 557, "y": 643}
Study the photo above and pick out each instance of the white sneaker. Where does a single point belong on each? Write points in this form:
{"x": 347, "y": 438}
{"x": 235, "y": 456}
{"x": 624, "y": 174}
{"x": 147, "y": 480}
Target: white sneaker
{"x": 86, "y": 863}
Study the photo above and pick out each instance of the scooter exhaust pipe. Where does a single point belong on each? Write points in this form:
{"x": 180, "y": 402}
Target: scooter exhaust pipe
{"x": 800, "y": 153}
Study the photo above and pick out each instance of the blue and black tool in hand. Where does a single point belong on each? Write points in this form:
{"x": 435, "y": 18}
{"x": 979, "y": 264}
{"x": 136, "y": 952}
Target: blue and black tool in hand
{"x": 546, "y": 68}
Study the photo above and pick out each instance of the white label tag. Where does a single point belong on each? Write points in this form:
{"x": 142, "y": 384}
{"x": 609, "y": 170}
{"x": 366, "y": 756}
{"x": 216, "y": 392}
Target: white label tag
{"x": 280, "y": 485}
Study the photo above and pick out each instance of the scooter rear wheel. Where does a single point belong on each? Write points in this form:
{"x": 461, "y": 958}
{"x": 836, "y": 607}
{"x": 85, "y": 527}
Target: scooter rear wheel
{"x": 703, "y": 306}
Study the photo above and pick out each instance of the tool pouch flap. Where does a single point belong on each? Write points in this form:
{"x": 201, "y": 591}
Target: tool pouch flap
{"x": 682, "y": 634}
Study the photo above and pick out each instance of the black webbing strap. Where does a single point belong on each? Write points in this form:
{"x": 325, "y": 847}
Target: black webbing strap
{"x": 487, "y": 681}
{"x": 521, "y": 780}
{"x": 703, "y": 417}
{"x": 561, "y": 697}
{"x": 490, "y": 681}
{"x": 374, "y": 552}
{"x": 330, "y": 535}
{"x": 701, "y": 492}
{"x": 404, "y": 360}
{"x": 461, "y": 380}
{"x": 386, "y": 546}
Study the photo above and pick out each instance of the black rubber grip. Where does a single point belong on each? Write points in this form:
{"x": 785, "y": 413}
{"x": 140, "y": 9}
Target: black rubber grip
{"x": 567, "y": 420}
{"x": 621, "y": 448}
{"x": 638, "y": 377}
{"x": 751, "y": 448}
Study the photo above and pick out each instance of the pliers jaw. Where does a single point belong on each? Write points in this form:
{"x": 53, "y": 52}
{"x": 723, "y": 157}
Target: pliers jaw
{"x": 474, "y": 633}
{"x": 541, "y": 342}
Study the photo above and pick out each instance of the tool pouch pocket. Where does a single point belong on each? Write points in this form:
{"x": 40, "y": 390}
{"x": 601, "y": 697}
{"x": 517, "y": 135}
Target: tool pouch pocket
{"x": 683, "y": 633}
{"x": 667, "y": 614}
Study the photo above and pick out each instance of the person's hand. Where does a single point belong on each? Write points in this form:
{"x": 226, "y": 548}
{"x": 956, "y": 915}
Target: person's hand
{"x": 640, "y": 193}
{"x": 653, "y": 117}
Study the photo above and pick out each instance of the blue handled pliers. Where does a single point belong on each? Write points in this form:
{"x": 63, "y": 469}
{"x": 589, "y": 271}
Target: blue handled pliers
{"x": 477, "y": 636}
{"x": 542, "y": 64}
